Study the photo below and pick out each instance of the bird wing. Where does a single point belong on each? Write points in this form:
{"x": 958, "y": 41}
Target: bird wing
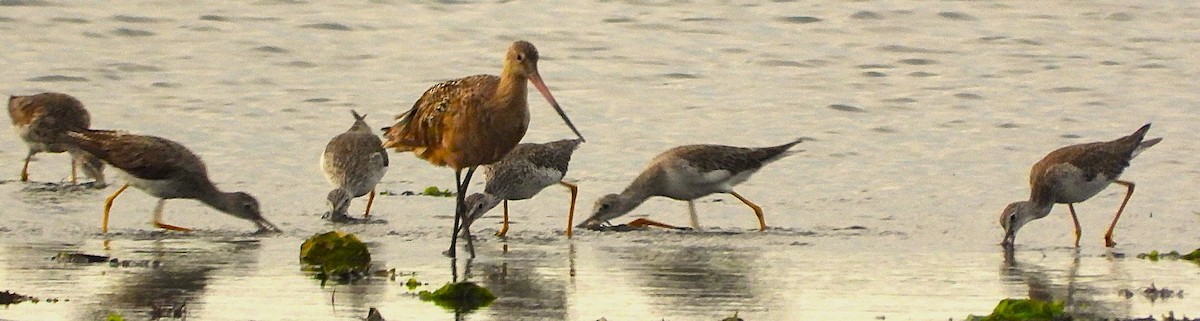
{"x": 145, "y": 157}
{"x": 430, "y": 117}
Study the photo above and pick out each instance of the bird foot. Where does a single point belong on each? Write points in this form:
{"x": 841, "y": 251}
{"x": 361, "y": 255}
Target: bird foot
{"x": 171, "y": 227}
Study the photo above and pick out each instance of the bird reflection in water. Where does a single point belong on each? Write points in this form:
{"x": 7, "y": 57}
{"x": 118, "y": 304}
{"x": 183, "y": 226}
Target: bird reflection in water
{"x": 1080, "y": 298}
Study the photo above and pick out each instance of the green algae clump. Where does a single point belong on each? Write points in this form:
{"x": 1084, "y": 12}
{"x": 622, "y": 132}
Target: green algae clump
{"x": 460, "y": 297}
{"x": 1154, "y": 256}
{"x": 434, "y": 191}
{"x": 335, "y": 254}
{"x": 1025, "y": 310}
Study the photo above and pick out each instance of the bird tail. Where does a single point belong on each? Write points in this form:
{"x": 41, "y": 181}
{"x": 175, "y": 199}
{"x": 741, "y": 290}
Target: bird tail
{"x": 1138, "y": 141}
{"x": 774, "y": 153}
{"x": 89, "y": 140}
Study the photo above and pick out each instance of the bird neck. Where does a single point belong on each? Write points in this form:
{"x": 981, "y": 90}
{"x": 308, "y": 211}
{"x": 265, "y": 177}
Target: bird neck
{"x": 512, "y": 89}
{"x": 219, "y": 200}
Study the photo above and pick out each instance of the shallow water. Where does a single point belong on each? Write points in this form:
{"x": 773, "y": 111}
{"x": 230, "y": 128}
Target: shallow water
{"x": 924, "y": 119}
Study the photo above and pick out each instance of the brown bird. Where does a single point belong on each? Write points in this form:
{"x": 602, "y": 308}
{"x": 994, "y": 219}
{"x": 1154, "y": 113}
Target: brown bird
{"x": 166, "y": 170}
{"x": 40, "y": 120}
{"x": 1074, "y": 174}
{"x": 472, "y": 121}
{"x": 353, "y": 163}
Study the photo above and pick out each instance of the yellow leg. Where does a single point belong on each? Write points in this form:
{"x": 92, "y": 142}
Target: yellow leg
{"x": 1078, "y": 231}
{"x": 571, "y": 213}
{"x": 370, "y": 199}
{"x": 158, "y": 219}
{"x": 74, "y": 177}
{"x": 762, "y": 223}
{"x": 25, "y": 169}
{"x": 643, "y": 222}
{"x": 504, "y": 227}
{"x": 108, "y": 206}
{"x": 1128, "y": 193}
{"x": 692, "y": 218}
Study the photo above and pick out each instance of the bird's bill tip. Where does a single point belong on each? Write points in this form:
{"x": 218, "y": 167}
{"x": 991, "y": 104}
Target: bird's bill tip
{"x": 536, "y": 79}
{"x": 265, "y": 226}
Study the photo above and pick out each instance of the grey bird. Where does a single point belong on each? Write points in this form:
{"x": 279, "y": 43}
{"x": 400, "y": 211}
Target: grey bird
{"x": 1074, "y": 174}
{"x": 690, "y": 172}
{"x": 353, "y": 162}
{"x": 521, "y": 174}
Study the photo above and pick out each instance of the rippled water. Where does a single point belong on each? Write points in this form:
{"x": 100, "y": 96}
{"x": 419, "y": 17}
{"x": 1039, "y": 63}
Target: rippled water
{"x": 924, "y": 119}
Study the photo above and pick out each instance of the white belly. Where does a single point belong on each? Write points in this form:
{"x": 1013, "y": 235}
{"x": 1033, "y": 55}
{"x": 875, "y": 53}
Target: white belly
{"x": 1073, "y": 187}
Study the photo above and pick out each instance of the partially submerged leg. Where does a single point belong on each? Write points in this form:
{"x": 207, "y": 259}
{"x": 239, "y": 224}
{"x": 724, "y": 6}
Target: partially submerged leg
{"x": 1128, "y": 193}
{"x": 504, "y": 226}
{"x": 571, "y": 212}
{"x": 25, "y": 169}
{"x": 108, "y": 205}
{"x": 762, "y": 223}
{"x": 1075, "y": 219}
{"x": 158, "y": 219}
{"x": 370, "y": 199}
{"x": 695, "y": 221}
{"x": 460, "y": 211}
{"x": 74, "y": 176}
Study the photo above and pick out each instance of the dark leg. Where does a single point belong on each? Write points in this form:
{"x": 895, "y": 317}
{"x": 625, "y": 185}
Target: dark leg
{"x": 1128, "y": 193}
{"x": 25, "y": 169}
{"x": 457, "y": 213}
{"x": 1078, "y": 231}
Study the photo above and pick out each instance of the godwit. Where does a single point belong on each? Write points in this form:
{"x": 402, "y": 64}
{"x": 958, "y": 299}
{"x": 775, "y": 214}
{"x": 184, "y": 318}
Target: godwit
{"x": 689, "y": 172}
{"x": 164, "y": 169}
{"x": 353, "y": 163}
{"x": 40, "y": 120}
{"x": 472, "y": 121}
{"x": 521, "y": 174}
{"x": 1074, "y": 174}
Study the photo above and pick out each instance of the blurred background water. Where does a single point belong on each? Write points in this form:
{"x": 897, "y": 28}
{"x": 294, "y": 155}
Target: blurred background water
{"x": 924, "y": 117}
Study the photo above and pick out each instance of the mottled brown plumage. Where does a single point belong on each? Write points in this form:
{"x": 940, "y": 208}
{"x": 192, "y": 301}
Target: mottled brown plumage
{"x": 164, "y": 169}
{"x": 353, "y": 162}
{"x": 42, "y": 119}
{"x": 1074, "y": 174}
{"x": 472, "y": 121}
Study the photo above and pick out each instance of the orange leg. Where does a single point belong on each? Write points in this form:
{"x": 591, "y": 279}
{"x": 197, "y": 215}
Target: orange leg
{"x": 370, "y": 199}
{"x": 1078, "y": 231}
{"x": 108, "y": 206}
{"x": 25, "y": 169}
{"x": 158, "y": 219}
{"x": 504, "y": 227}
{"x": 643, "y": 222}
{"x": 762, "y": 223}
{"x": 1128, "y": 193}
{"x": 571, "y": 213}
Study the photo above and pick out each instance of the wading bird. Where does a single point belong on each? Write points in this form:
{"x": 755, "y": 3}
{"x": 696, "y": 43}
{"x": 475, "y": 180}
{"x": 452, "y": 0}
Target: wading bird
{"x": 689, "y": 172}
{"x": 164, "y": 169}
{"x": 353, "y": 162}
{"x": 41, "y": 120}
{"x": 472, "y": 121}
{"x": 1074, "y": 174}
{"x": 521, "y": 174}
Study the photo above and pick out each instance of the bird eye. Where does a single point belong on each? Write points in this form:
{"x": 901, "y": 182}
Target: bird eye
{"x": 520, "y": 57}
{"x": 605, "y": 206}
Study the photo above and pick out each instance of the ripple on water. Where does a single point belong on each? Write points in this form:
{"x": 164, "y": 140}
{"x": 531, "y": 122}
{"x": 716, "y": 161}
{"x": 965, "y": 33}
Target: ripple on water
{"x": 874, "y": 74}
{"x": 271, "y": 49}
{"x": 132, "y": 67}
{"x": 968, "y": 96}
{"x": 866, "y": 15}
{"x": 57, "y": 78}
{"x": 917, "y": 61}
{"x": 69, "y": 20}
{"x": 328, "y": 26}
{"x": 798, "y": 19}
{"x": 907, "y": 49}
{"x": 952, "y": 15}
{"x": 137, "y": 19}
{"x": 23, "y": 3}
{"x": 680, "y": 75}
{"x": 847, "y": 108}
{"x": 126, "y": 32}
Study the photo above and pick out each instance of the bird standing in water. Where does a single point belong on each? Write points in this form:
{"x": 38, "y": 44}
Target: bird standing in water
{"x": 164, "y": 169}
{"x": 472, "y": 121}
{"x": 353, "y": 162}
{"x": 521, "y": 174}
{"x": 42, "y": 119}
{"x": 687, "y": 173}
{"x": 1074, "y": 174}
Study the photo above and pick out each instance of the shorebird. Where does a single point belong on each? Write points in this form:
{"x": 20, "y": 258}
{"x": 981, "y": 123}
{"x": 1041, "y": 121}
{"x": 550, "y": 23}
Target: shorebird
{"x": 353, "y": 162}
{"x": 164, "y": 169}
{"x": 521, "y": 174}
{"x": 40, "y": 120}
{"x": 687, "y": 173}
{"x": 1074, "y": 174}
{"x": 472, "y": 121}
